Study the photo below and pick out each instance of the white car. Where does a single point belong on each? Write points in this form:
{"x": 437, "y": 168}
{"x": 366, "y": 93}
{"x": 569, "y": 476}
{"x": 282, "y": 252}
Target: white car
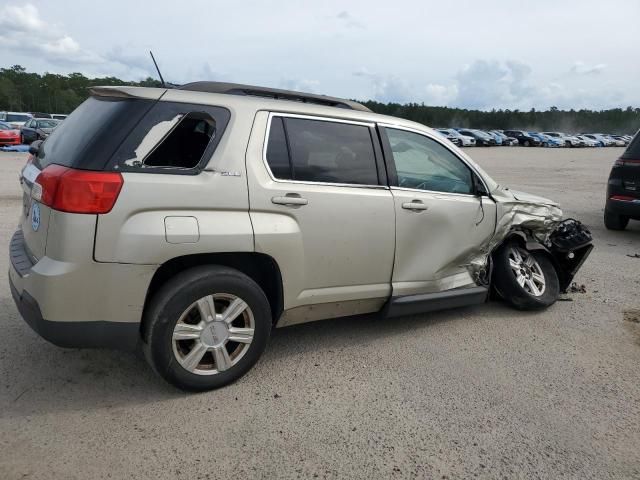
{"x": 465, "y": 140}
{"x": 15, "y": 119}
{"x": 588, "y": 142}
{"x": 569, "y": 140}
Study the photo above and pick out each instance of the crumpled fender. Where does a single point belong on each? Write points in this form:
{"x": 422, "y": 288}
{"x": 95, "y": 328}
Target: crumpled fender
{"x": 538, "y": 223}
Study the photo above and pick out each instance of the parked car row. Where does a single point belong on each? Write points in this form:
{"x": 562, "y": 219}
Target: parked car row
{"x": 470, "y": 137}
{"x": 18, "y": 128}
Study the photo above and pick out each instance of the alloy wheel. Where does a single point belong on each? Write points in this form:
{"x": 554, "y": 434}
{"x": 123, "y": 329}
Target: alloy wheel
{"x": 213, "y": 334}
{"x": 527, "y": 271}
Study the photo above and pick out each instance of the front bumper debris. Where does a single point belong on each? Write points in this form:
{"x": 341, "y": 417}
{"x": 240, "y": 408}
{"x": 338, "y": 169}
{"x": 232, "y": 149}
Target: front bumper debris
{"x": 570, "y": 243}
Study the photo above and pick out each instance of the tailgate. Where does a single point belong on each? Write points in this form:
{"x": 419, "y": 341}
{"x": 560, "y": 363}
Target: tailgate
{"x": 631, "y": 166}
{"x": 34, "y": 217}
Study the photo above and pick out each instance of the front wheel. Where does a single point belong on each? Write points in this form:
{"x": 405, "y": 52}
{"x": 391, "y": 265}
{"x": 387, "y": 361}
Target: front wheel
{"x": 527, "y": 280}
{"x": 206, "y": 327}
{"x": 527, "y": 143}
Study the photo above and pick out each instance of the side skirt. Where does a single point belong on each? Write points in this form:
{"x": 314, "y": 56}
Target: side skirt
{"x": 430, "y": 302}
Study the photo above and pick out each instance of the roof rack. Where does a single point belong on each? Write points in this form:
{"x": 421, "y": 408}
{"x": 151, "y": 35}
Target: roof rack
{"x": 275, "y": 93}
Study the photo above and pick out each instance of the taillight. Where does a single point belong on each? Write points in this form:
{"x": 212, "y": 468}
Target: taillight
{"x": 77, "y": 191}
{"x": 622, "y": 198}
{"x": 621, "y": 162}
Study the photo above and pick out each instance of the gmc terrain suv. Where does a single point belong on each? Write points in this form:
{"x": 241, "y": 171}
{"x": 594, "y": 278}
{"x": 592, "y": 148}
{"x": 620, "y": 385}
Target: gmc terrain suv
{"x": 191, "y": 221}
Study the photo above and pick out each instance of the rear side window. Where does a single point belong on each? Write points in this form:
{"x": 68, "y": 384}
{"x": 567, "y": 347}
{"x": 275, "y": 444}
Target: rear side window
{"x": 172, "y": 138}
{"x": 322, "y": 151}
{"x": 184, "y": 145}
{"x": 633, "y": 150}
{"x": 131, "y": 134}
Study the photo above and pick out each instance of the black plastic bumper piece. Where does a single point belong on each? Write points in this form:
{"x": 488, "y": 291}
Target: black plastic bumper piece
{"x": 112, "y": 335}
{"x": 571, "y": 243}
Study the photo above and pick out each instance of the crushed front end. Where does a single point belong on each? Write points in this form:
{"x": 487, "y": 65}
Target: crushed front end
{"x": 570, "y": 243}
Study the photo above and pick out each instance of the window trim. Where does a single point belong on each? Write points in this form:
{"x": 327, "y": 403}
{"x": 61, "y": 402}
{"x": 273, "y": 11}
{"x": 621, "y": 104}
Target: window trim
{"x": 371, "y": 127}
{"x": 391, "y": 165}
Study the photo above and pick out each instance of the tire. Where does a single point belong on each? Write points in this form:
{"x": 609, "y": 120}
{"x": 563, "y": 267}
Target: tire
{"x": 527, "y": 143}
{"x": 184, "y": 300}
{"x": 522, "y": 296}
{"x": 614, "y": 221}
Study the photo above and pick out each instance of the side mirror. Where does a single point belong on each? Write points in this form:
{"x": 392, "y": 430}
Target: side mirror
{"x": 34, "y": 148}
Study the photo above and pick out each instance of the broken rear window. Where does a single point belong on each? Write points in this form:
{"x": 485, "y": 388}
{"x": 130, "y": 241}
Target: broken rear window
{"x": 173, "y": 138}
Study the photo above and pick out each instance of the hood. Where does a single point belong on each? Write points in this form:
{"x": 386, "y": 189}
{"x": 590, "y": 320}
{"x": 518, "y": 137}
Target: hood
{"x": 530, "y": 198}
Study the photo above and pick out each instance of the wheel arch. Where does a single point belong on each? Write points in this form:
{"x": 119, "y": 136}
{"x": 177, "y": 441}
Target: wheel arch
{"x": 261, "y": 268}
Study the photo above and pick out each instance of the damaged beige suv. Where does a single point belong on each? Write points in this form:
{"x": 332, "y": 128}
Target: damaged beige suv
{"x": 189, "y": 222}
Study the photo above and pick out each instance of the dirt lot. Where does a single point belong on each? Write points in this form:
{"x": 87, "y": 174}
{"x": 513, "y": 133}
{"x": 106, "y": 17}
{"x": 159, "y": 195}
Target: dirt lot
{"x": 477, "y": 392}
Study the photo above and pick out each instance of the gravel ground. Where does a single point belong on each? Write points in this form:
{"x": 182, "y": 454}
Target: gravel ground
{"x": 481, "y": 392}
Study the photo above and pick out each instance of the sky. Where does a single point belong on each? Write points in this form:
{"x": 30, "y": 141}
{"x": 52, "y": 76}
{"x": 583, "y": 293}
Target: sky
{"x": 470, "y": 54}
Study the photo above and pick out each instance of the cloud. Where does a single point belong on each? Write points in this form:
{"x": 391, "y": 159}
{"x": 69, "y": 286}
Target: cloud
{"x": 486, "y": 84}
{"x": 300, "y": 85}
{"x": 22, "y": 30}
{"x": 580, "y": 68}
{"x": 349, "y": 20}
{"x": 387, "y": 88}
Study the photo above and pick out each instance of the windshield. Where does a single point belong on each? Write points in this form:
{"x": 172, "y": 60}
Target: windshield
{"x": 47, "y": 123}
{"x": 16, "y": 117}
{"x": 5, "y": 127}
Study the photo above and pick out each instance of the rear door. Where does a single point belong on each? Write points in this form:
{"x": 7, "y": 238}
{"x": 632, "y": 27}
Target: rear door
{"x": 321, "y": 207}
{"x": 440, "y": 222}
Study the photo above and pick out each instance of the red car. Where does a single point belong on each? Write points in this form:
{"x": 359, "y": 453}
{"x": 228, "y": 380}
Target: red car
{"x": 9, "y": 135}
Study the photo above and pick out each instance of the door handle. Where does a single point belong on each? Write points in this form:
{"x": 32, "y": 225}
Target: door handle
{"x": 416, "y": 205}
{"x": 290, "y": 199}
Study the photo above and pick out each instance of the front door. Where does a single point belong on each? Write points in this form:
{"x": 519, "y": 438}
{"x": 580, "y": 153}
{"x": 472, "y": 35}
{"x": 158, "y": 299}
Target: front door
{"x": 440, "y": 221}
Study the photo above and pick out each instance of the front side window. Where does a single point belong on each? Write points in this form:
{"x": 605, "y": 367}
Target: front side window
{"x": 424, "y": 164}
{"x": 321, "y": 151}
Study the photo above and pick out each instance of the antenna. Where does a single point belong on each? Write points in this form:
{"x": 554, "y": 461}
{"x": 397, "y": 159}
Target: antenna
{"x": 156, "y": 64}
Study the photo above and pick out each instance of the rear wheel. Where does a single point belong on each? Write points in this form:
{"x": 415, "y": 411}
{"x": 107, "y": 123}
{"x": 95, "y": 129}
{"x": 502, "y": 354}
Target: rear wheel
{"x": 524, "y": 279}
{"x": 614, "y": 221}
{"x": 206, "y": 328}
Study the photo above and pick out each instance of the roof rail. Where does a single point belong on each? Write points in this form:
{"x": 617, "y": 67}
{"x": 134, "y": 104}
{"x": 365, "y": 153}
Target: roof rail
{"x": 275, "y": 93}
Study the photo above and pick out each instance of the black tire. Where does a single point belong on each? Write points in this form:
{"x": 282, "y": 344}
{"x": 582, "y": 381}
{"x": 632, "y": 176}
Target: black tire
{"x": 527, "y": 143}
{"x": 507, "y": 286}
{"x": 614, "y": 221}
{"x": 176, "y": 297}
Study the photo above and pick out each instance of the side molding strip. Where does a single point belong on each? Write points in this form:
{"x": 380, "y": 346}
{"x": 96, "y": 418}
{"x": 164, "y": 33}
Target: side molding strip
{"x": 429, "y": 302}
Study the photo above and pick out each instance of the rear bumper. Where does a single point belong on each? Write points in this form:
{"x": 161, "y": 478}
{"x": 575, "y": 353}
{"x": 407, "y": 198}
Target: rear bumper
{"x": 113, "y": 335}
{"x": 626, "y": 208}
{"x": 82, "y": 303}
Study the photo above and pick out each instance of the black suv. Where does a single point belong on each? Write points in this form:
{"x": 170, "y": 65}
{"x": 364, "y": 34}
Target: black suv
{"x": 623, "y": 190}
{"x": 524, "y": 139}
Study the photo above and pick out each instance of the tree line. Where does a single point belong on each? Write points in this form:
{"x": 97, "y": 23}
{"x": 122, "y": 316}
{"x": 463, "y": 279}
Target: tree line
{"x": 53, "y": 93}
